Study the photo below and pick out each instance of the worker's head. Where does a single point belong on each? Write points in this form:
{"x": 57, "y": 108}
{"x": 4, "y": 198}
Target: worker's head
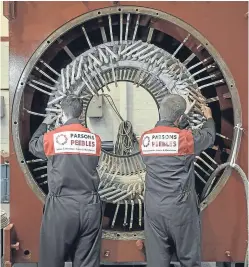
{"x": 172, "y": 108}
{"x": 71, "y": 107}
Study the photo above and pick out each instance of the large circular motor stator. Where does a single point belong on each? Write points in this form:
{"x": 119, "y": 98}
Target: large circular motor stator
{"x": 103, "y": 51}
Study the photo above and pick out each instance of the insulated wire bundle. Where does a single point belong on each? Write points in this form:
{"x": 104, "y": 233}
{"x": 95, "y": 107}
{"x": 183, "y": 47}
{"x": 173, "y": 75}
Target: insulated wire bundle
{"x": 125, "y": 139}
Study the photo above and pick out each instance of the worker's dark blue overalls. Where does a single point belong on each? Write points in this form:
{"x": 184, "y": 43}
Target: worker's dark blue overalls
{"x": 71, "y": 224}
{"x": 172, "y": 223}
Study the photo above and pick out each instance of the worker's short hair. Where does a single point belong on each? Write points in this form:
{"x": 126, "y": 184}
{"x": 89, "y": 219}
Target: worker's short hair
{"x": 72, "y": 106}
{"x": 172, "y": 107}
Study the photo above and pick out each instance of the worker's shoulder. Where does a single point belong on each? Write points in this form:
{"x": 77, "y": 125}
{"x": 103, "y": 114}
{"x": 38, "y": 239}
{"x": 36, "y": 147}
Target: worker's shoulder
{"x": 97, "y": 136}
{"x": 56, "y": 130}
{"x": 86, "y": 130}
{"x": 166, "y": 129}
{"x": 186, "y": 132}
{"x": 68, "y": 128}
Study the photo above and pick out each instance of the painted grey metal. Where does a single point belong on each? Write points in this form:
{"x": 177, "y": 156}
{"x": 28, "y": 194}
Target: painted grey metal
{"x": 5, "y": 187}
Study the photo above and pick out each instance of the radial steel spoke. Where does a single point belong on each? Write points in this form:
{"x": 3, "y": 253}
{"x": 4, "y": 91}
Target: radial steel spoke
{"x": 35, "y": 160}
{"x": 115, "y": 215}
{"x": 87, "y": 85}
{"x": 121, "y": 28}
{"x": 44, "y": 85}
{"x": 210, "y": 84}
{"x": 95, "y": 59}
{"x": 181, "y": 45}
{"x": 213, "y": 99}
{"x": 223, "y": 136}
{"x": 56, "y": 100}
{"x": 198, "y": 175}
{"x": 69, "y": 52}
{"x": 103, "y": 34}
{"x": 211, "y": 159}
{"x": 73, "y": 72}
{"x": 53, "y": 110}
{"x": 113, "y": 73}
{"x": 130, "y": 47}
{"x": 41, "y": 176}
{"x": 43, "y": 183}
{"x": 102, "y": 56}
{"x": 205, "y": 78}
{"x": 110, "y": 28}
{"x": 150, "y": 34}
{"x": 67, "y": 77}
{"x": 87, "y": 38}
{"x": 132, "y": 214}
{"x": 111, "y": 52}
{"x": 140, "y": 211}
{"x": 199, "y": 63}
{"x": 126, "y": 213}
{"x": 39, "y": 89}
{"x": 197, "y": 165}
{"x": 127, "y": 26}
{"x": 200, "y": 71}
{"x": 189, "y": 59}
{"x": 45, "y": 64}
{"x": 35, "y": 113}
{"x": 201, "y": 159}
{"x": 46, "y": 75}
{"x": 136, "y": 27}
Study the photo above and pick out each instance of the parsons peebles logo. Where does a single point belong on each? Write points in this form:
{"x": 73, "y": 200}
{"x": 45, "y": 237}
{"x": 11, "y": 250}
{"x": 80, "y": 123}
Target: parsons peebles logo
{"x": 146, "y": 141}
{"x": 61, "y": 139}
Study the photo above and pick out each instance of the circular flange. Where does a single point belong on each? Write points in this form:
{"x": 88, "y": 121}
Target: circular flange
{"x": 110, "y": 11}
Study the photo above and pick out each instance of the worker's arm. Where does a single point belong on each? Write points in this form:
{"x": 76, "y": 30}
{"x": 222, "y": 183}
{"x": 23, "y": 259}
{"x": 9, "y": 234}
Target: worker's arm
{"x": 205, "y": 137}
{"x": 36, "y": 143}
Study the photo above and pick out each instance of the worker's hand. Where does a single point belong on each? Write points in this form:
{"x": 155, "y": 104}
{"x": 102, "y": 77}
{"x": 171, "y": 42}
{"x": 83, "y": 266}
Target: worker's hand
{"x": 207, "y": 112}
{"x": 49, "y": 119}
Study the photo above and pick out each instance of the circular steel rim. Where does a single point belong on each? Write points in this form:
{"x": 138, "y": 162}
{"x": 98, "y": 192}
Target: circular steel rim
{"x": 109, "y": 11}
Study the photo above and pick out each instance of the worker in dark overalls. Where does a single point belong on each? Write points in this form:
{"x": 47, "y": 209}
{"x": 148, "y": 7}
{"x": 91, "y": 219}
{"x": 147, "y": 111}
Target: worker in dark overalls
{"x": 172, "y": 223}
{"x": 71, "y": 224}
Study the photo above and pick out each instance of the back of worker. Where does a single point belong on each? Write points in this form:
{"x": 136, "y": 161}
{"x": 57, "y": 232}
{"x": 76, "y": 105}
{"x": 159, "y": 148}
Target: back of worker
{"x": 71, "y": 225}
{"x": 172, "y": 223}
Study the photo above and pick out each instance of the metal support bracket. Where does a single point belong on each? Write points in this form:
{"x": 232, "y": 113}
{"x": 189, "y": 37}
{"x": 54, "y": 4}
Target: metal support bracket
{"x": 238, "y": 133}
{"x": 9, "y": 9}
{"x": 9, "y": 244}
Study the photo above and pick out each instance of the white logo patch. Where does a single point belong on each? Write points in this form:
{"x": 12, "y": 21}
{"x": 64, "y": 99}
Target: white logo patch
{"x": 75, "y": 142}
{"x": 160, "y": 143}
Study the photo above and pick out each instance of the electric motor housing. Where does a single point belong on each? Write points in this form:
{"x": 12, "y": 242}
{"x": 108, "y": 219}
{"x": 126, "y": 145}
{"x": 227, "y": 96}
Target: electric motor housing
{"x": 89, "y": 49}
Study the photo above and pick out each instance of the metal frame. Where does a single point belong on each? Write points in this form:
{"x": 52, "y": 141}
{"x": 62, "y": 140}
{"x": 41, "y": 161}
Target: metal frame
{"x": 5, "y": 183}
{"x": 108, "y": 11}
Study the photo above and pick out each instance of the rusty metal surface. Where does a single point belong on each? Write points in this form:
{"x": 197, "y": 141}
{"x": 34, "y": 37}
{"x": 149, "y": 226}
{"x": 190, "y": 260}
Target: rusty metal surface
{"x": 225, "y": 217}
{"x": 10, "y": 244}
{"x": 9, "y": 10}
